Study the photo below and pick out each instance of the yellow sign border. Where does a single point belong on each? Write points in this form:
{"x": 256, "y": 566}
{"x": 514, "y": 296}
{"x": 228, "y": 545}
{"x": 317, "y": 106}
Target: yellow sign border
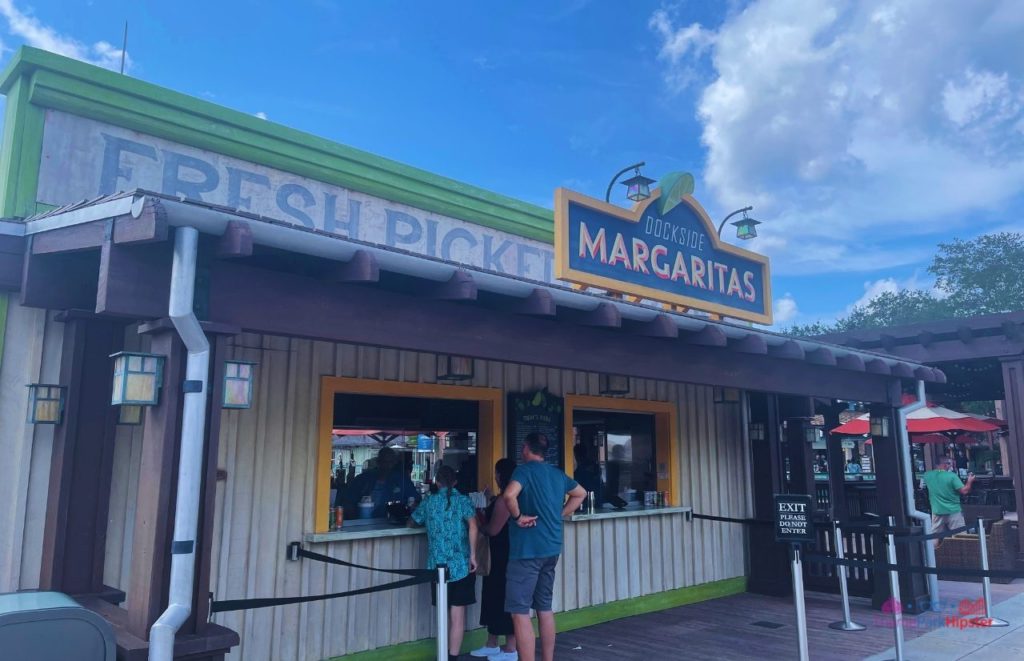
{"x": 563, "y": 196}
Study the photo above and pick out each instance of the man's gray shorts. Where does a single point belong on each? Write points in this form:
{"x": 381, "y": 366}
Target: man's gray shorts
{"x": 529, "y": 584}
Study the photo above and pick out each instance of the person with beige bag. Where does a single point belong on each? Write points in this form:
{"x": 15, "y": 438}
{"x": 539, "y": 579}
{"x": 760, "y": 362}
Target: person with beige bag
{"x": 492, "y": 600}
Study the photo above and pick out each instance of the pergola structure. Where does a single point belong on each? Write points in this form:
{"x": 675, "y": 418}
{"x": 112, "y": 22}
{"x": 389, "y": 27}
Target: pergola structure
{"x": 982, "y": 358}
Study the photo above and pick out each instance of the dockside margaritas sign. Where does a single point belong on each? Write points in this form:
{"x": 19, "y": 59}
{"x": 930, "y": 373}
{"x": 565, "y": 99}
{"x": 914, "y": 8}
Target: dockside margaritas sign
{"x": 665, "y": 249}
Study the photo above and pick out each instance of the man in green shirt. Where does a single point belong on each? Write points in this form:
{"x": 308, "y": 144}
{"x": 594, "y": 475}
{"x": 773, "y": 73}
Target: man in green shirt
{"x": 944, "y": 491}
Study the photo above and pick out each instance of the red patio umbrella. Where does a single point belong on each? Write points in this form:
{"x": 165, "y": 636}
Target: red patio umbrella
{"x": 923, "y": 421}
{"x": 942, "y": 439}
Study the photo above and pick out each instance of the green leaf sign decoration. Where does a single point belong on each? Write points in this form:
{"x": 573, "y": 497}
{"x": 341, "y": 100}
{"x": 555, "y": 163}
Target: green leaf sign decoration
{"x": 674, "y": 186}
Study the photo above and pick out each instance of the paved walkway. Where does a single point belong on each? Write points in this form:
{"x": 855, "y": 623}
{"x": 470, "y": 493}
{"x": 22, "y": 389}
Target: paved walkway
{"x": 974, "y": 643}
{"x": 748, "y": 626}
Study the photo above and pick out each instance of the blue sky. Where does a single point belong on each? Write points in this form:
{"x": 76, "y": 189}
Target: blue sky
{"x": 863, "y": 132}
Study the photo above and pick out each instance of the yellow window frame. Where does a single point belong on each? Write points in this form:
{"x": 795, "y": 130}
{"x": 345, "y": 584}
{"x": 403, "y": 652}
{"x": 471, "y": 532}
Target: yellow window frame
{"x": 490, "y": 433}
{"x": 666, "y": 433}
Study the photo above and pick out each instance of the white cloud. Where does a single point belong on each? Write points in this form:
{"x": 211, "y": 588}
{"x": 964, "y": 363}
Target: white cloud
{"x": 855, "y": 128}
{"x": 872, "y": 290}
{"x": 261, "y": 114}
{"x": 785, "y": 309}
{"x": 978, "y": 94}
{"x": 35, "y": 33}
{"x": 677, "y": 45}
{"x": 875, "y": 288}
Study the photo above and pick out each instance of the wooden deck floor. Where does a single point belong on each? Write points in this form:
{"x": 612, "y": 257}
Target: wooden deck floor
{"x": 725, "y": 629}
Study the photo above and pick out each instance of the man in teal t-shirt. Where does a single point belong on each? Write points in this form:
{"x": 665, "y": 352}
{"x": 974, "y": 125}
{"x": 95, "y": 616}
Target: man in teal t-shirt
{"x": 944, "y": 491}
{"x": 536, "y": 503}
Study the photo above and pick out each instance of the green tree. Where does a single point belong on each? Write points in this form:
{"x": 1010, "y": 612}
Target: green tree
{"x": 980, "y": 276}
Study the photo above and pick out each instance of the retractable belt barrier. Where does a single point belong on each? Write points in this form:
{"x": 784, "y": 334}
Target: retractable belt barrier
{"x": 954, "y": 571}
{"x": 726, "y": 519}
{"x": 295, "y": 551}
{"x": 245, "y": 604}
{"x": 303, "y": 553}
{"x": 899, "y": 534}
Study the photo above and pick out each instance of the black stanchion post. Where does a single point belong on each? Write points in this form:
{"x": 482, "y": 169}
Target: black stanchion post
{"x": 986, "y": 584}
{"x": 847, "y": 624}
{"x": 894, "y": 586}
{"x": 442, "y": 614}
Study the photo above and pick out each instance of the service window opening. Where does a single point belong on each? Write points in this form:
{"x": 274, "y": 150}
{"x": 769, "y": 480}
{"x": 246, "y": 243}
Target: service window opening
{"x": 386, "y": 450}
{"x": 615, "y": 456}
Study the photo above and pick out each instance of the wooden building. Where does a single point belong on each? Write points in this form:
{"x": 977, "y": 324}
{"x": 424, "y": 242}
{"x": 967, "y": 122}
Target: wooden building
{"x": 337, "y": 274}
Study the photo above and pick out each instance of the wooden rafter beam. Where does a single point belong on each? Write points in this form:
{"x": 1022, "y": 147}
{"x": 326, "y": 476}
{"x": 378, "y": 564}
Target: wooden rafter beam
{"x": 660, "y": 326}
{"x": 877, "y": 366}
{"x": 789, "y": 349}
{"x": 851, "y": 361}
{"x": 751, "y": 343}
{"x": 821, "y": 356}
{"x": 236, "y": 240}
{"x": 362, "y": 267}
{"x": 709, "y": 336}
{"x": 605, "y": 315}
{"x": 538, "y": 303}
{"x": 460, "y": 287}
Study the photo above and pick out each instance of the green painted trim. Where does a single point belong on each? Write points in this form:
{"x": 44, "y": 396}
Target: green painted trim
{"x": 570, "y": 620}
{"x": 72, "y": 86}
{"x": 21, "y": 151}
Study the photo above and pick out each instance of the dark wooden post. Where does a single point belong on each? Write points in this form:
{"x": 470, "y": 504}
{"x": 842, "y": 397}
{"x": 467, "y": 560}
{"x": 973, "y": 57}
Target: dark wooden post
{"x": 836, "y": 463}
{"x": 891, "y": 502}
{"x": 74, "y": 538}
{"x": 197, "y": 623}
{"x": 154, "y": 519}
{"x": 795, "y": 413}
{"x": 1013, "y": 395}
{"x": 769, "y": 561}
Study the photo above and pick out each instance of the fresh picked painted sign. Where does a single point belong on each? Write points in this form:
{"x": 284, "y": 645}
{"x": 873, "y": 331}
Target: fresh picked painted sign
{"x": 665, "y": 249}
{"x": 83, "y": 159}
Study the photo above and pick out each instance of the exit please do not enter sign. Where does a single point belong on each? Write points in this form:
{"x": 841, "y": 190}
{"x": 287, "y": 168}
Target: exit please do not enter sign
{"x": 793, "y": 518}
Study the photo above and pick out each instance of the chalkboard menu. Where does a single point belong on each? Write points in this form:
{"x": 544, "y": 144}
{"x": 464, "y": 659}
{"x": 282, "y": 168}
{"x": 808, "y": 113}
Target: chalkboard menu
{"x": 538, "y": 411}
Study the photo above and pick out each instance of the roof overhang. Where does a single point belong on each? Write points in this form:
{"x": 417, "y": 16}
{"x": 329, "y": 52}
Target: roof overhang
{"x": 141, "y": 217}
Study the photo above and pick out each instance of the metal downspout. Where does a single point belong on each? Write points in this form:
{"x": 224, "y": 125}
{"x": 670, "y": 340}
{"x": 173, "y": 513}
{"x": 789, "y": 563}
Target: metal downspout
{"x": 193, "y": 426}
{"x": 908, "y": 488}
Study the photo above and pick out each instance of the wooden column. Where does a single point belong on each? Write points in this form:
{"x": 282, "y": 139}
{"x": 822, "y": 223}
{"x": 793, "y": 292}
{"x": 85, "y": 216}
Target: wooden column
{"x": 836, "y": 464}
{"x": 1013, "y": 394}
{"x": 198, "y": 623}
{"x": 891, "y": 502}
{"x": 158, "y": 473}
{"x": 795, "y": 411}
{"x": 74, "y": 538}
{"x": 769, "y": 561}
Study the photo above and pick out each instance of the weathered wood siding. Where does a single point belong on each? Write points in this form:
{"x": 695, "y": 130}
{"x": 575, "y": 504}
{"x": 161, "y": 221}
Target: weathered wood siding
{"x": 267, "y": 501}
{"x": 32, "y": 353}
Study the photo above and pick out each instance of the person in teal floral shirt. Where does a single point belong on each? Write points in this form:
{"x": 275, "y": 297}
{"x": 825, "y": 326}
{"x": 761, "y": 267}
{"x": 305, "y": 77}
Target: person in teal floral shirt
{"x": 451, "y": 540}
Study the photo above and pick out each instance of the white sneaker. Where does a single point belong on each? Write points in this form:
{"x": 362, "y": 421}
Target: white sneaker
{"x": 504, "y": 656}
{"x": 485, "y": 652}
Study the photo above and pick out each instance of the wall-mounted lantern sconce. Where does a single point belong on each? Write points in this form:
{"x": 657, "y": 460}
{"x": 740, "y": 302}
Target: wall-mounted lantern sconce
{"x": 613, "y": 384}
{"x": 129, "y": 414}
{"x": 880, "y": 427}
{"x": 45, "y": 403}
{"x": 137, "y": 378}
{"x": 454, "y": 368}
{"x": 238, "y": 378}
{"x": 727, "y": 395}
